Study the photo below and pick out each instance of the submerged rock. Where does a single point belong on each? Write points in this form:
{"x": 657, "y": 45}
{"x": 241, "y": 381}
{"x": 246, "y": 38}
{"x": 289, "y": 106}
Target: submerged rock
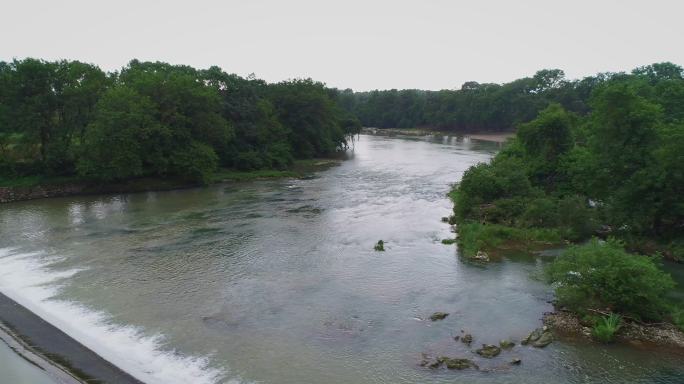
{"x": 458, "y": 363}
{"x": 481, "y": 256}
{"x": 438, "y": 316}
{"x": 515, "y": 361}
{"x": 448, "y": 362}
{"x": 467, "y": 339}
{"x": 488, "y": 351}
{"x": 506, "y": 344}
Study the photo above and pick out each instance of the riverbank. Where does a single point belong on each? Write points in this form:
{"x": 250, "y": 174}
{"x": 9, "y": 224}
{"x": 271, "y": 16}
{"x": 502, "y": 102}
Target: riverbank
{"x": 60, "y": 356}
{"x": 31, "y": 188}
{"x": 495, "y": 137}
{"x": 660, "y": 335}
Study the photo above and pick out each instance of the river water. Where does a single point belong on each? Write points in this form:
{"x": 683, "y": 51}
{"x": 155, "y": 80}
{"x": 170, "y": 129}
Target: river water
{"x": 277, "y": 281}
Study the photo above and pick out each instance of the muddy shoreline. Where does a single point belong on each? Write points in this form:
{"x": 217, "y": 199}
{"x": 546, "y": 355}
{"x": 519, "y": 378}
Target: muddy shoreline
{"x": 64, "y": 359}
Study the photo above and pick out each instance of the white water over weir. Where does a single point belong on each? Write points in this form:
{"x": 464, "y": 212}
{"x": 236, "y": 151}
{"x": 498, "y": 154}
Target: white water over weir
{"x": 25, "y": 279}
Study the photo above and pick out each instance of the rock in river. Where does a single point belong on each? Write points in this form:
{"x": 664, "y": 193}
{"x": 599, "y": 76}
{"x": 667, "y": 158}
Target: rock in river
{"x": 467, "y": 339}
{"x": 450, "y": 363}
{"x": 540, "y": 338}
{"x": 488, "y": 351}
{"x": 506, "y": 344}
{"x": 438, "y": 316}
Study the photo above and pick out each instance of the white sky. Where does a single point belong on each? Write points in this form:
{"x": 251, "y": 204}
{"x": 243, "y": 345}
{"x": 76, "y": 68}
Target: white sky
{"x": 427, "y": 44}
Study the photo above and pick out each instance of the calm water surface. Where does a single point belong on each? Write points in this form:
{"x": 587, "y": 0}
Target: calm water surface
{"x": 277, "y": 281}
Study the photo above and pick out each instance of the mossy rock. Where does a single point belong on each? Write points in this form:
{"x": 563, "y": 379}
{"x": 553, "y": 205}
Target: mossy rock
{"x": 540, "y": 338}
{"x": 488, "y": 351}
{"x": 438, "y": 316}
{"x": 506, "y": 344}
{"x": 458, "y": 364}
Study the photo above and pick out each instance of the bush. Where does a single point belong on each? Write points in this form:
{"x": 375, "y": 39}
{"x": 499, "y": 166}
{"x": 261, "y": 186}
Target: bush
{"x": 677, "y": 316}
{"x": 486, "y": 183}
{"x": 606, "y": 327}
{"x": 602, "y": 275}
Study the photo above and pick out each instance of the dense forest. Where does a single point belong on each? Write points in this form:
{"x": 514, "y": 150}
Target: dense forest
{"x": 615, "y": 173}
{"x": 68, "y": 118}
{"x": 618, "y": 169}
{"x": 479, "y": 107}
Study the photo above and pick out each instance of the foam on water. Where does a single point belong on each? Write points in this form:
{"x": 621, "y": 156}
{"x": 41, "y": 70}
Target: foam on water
{"x": 26, "y": 278}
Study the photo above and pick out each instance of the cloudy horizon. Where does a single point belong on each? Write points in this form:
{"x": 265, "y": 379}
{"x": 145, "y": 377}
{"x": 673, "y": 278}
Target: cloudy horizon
{"x": 382, "y": 44}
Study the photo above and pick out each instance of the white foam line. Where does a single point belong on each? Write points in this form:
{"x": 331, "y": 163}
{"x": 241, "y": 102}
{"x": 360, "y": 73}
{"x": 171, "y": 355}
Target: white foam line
{"x": 25, "y": 279}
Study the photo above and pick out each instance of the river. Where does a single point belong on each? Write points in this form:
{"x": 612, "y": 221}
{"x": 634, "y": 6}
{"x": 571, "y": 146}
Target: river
{"x": 277, "y": 281}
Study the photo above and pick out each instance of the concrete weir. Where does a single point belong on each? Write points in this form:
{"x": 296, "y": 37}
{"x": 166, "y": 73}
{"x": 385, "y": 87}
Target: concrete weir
{"x": 64, "y": 359}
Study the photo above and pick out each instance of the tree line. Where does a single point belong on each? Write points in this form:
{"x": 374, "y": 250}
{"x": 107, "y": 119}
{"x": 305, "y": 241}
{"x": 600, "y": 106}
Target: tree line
{"x": 477, "y": 107}
{"x": 155, "y": 119}
{"x": 617, "y": 170}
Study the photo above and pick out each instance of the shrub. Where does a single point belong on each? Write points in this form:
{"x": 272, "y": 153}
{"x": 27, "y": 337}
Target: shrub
{"x": 677, "y": 316}
{"x": 602, "y": 275}
{"x": 486, "y": 183}
{"x": 606, "y": 327}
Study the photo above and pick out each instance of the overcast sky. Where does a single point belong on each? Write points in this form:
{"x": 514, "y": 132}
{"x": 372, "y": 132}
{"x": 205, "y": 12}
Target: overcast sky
{"x": 368, "y": 44}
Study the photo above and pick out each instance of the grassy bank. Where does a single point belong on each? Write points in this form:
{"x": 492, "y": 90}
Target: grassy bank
{"x": 495, "y": 238}
{"x": 63, "y": 185}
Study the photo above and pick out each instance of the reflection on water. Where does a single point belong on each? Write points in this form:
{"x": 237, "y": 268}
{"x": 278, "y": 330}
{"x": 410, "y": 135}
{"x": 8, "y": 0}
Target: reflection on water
{"x": 277, "y": 281}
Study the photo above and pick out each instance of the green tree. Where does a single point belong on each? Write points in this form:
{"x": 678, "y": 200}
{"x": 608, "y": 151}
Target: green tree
{"x": 546, "y": 140}
{"x": 121, "y": 140}
{"x": 601, "y": 275}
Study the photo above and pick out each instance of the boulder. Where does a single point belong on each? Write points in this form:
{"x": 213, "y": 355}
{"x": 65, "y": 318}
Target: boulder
{"x": 438, "y": 316}
{"x": 540, "y": 338}
{"x": 488, "y": 351}
{"x": 506, "y": 344}
{"x": 467, "y": 339}
{"x": 458, "y": 363}
{"x": 545, "y": 339}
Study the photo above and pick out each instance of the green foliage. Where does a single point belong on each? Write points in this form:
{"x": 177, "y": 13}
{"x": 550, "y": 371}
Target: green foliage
{"x": 474, "y": 107}
{"x": 195, "y": 162}
{"x": 474, "y": 237}
{"x": 606, "y": 327}
{"x": 119, "y": 142}
{"x": 619, "y": 166}
{"x": 677, "y": 316}
{"x": 312, "y": 117}
{"x": 503, "y": 180}
{"x": 380, "y": 246}
{"x": 159, "y": 120}
{"x": 545, "y": 140}
{"x": 602, "y": 275}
